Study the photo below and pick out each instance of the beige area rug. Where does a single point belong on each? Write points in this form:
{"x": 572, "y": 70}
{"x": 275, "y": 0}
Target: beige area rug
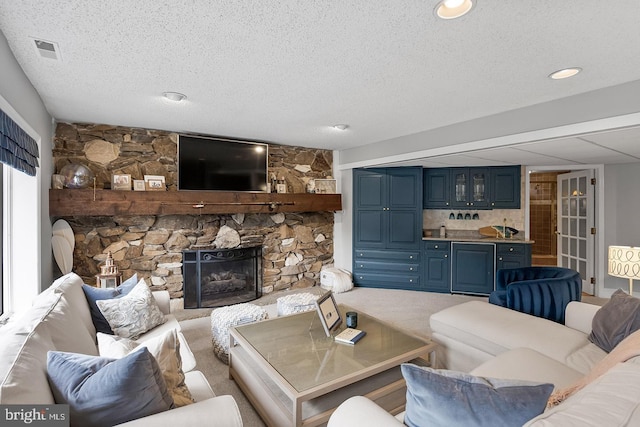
{"x": 409, "y": 310}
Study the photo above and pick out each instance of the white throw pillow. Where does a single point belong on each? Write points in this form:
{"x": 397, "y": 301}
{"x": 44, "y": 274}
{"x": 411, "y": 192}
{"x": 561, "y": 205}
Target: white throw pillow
{"x": 164, "y": 348}
{"x": 133, "y": 314}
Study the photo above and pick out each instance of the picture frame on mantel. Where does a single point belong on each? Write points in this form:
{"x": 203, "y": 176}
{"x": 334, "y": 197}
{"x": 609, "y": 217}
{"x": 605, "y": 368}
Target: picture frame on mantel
{"x": 121, "y": 182}
{"x": 154, "y": 183}
{"x": 325, "y": 186}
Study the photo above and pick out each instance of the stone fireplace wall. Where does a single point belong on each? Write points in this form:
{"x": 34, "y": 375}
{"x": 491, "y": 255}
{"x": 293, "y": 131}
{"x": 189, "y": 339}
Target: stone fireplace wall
{"x": 295, "y": 245}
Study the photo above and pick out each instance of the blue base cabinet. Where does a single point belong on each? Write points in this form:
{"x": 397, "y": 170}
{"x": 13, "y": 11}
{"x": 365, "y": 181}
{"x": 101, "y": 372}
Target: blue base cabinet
{"x": 513, "y": 255}
{"x": 473, "y": 268}
{"x": 436, "y": 270}
{"x": 387, "y": 227}
{"x": 392, "y": 269}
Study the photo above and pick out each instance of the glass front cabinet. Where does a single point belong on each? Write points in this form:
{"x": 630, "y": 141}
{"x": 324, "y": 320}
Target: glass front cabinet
{"x": 470, "y": 188}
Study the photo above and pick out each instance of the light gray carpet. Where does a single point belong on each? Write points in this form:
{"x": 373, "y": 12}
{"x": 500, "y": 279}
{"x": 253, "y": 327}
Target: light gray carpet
{"x": 408, "y": 310}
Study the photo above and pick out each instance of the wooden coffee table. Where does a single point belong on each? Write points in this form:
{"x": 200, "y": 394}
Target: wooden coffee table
{"x": 294, "y": 375}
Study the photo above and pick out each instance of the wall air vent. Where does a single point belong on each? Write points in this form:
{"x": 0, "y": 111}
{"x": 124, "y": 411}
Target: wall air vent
{"x": 47, "y": 49}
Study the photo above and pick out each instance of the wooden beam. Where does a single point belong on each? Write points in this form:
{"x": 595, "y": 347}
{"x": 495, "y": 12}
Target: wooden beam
{"x": 87, "y": 202}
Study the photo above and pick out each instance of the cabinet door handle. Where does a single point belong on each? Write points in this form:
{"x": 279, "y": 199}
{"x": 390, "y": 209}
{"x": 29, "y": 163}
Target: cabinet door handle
{"x": 410, "y": 268}
{"x": 361, "y": 265}
{"x": 410, "y": 280}
{"x": 510, "y": 249}
{"x": 436, "y": 246}
{"x": 446, "y": 256}
{"x": 500, "y": 259}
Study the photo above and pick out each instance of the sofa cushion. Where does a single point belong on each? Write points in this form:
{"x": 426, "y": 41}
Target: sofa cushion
{"x": 612, "y": 400}
{"x": 494, "y": 330}
{"x": 528, "y": 365}
{"x": 93, "y": 294}
{"x": 67, "y": 330}
{"x": 165, "y": 349}
{"x": 133, "y": 314}
{"x": 23, "y": 365}
{"x": 617, "y": 319}
{"x": 444, "y": 398}
{"x": 70, "y": 286}
{"x": 105, "y": 392}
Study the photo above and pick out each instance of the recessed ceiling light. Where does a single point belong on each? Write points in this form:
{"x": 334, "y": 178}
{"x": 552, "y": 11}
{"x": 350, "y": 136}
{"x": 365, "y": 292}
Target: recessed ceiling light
{"x": 451, "y": 9}
{"x": 340, "y": 127}
{"x": 174, "y": 96}
{"x": 565, "y": 73}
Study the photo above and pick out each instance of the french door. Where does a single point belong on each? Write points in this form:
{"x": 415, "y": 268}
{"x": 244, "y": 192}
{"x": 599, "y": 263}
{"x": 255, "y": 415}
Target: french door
{"x": 576, "y": 225}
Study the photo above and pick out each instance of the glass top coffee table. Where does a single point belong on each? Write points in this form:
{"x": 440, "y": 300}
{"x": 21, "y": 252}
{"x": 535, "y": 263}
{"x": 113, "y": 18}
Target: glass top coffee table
{"x": 295, "y": 375}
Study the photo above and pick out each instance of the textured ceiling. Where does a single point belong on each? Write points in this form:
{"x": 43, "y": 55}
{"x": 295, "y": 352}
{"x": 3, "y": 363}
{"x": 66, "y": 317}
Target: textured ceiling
{"x": 285, "y": 71}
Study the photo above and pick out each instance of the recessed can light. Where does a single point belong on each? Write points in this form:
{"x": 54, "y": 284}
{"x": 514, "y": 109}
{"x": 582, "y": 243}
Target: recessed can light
{"x": 451, "y": 9}
{"x": 174, "y": 96}
{"x": 565, "y": 73}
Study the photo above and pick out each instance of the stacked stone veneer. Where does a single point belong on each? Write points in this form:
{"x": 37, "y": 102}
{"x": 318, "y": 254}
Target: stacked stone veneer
{"x": 295, "y": 245}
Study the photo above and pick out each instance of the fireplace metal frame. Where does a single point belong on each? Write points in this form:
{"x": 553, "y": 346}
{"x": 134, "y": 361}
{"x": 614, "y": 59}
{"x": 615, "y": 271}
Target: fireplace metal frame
{"x": 196, "y": 258}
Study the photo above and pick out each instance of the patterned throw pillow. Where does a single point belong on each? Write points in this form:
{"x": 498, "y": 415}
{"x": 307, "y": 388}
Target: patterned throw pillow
{"x": 94, "y": 294}
{"x": 133, "y": 314}
{"x": 166, "y": 350}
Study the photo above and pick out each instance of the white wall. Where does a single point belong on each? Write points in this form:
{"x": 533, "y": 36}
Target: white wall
{"x": 342, "y": 242}
{"x": 30, "y": 252}
{"x": 622, "y": 215}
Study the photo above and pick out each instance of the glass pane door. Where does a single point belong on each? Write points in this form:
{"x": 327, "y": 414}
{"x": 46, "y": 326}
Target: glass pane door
{"x": 576, "y": 218}
{"x": 460, "y": 182}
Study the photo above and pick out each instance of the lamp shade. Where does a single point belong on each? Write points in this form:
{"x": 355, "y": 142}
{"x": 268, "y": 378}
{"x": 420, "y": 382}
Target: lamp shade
{"x": 624, "y": 261}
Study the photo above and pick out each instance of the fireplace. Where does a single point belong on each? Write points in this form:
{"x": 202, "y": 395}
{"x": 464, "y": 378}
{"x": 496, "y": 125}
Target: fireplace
{"x": 219, "y": 277}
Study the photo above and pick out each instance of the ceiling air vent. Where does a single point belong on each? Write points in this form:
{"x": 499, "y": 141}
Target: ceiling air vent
{"x": 47, "y": 49}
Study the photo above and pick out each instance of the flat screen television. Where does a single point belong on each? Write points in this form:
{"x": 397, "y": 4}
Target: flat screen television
{"x": 221, "y": 164}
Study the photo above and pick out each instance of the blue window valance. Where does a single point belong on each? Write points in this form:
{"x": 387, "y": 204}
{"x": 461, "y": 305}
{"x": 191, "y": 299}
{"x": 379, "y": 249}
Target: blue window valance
{"x": 17, "y": 148}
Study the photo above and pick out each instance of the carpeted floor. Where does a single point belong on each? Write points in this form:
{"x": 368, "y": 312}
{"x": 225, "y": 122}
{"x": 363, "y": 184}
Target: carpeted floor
{"x": 408, "y": 310}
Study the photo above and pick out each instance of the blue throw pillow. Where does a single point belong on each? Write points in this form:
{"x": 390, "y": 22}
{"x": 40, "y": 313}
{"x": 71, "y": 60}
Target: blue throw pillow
{"x": 94, "y": 294}
{"x": 449, "y": 398}
{"x": 105, "y": 392}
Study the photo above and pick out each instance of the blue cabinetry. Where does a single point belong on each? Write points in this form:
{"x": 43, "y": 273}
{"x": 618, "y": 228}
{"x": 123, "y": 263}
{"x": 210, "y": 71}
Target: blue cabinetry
{"x": 472, "y": 188}
{"x": 394, "y": 269}
{"x": 436, "y": 273}
{"x": 388, "y": 208}
{"x": 513, "y": 255}
{"x": 387, "y": 218}
{"x": 505, "y": 187}
{"x": 473, "y": 268}
{"x": 436, "y": 188}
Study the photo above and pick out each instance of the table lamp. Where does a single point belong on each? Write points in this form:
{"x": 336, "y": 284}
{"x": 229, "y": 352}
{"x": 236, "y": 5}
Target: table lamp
{"x": 624, "y": 261}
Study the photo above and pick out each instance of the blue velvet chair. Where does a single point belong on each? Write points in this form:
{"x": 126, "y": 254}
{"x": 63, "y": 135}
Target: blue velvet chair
{"x": 538, "y": 291}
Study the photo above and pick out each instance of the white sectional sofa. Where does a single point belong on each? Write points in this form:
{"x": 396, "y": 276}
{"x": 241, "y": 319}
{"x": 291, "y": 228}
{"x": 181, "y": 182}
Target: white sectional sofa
{"x": 491, "y": 341}
{"x": 60, "y": 320}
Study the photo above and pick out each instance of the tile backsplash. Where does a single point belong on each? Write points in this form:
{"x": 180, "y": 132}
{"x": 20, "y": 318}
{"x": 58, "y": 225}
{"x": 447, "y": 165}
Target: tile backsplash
{"x": 434, "y": 218}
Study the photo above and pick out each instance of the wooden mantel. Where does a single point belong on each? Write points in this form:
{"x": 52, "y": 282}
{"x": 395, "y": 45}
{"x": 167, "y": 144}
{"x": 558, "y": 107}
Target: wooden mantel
{"x": 87, "y": 202}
